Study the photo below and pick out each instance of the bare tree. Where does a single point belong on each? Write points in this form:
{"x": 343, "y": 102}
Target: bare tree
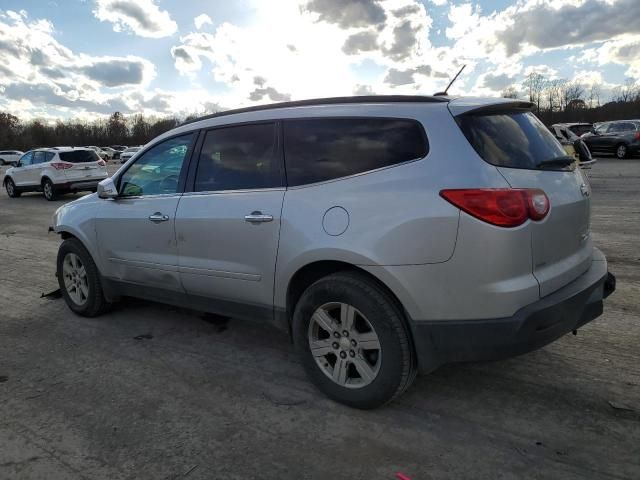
{"x": 573, "y": 93}
{"x": 593, "y": 95}
{"x": 535, "y": 84}
{"x": 628, "y": 92}
{"x": 510, "y": 92}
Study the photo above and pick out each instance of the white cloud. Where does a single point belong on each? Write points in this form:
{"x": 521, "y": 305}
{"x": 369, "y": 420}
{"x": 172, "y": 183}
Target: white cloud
{"x": 313, "y": 48}
{"x": 202, "y": 20}
{"x": 140, "y": 17}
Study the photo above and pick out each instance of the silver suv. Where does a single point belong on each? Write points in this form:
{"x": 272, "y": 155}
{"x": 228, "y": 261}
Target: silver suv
{"x": 386, "y": 235}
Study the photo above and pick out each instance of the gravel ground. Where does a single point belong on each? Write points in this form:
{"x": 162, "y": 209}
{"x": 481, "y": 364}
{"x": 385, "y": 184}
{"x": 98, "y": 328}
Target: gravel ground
{"x": 149, "y": 391}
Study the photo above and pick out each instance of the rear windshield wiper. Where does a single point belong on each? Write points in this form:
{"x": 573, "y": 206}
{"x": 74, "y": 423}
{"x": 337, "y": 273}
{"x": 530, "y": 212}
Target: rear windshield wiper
{"x": 557, "y": 162}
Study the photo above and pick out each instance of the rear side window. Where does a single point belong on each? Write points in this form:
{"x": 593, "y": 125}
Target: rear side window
{"x": 517, "y": 140}
{"x": 239, "y": 158}
{"x": 79, "y": 156}
{"x": 39, "y": 157}
{"x": 323, "y": 149}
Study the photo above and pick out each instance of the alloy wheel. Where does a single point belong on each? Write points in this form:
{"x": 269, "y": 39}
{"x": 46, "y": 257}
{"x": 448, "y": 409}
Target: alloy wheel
{"x": 48, "y": 190}
{"x": 10, "y": 187}
{"x": 344, "y": 345}
{"x": 75, "y": 279}
{"x": 621, "y": 152}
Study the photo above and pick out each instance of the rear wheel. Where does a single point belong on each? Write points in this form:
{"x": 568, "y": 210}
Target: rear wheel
{"x": 12, "y": 191}
{"x": 79, "y": 279}
{"x": 48, "y": 189}
{"x": 352, "y": 341}
{"x": 621, "y": 151}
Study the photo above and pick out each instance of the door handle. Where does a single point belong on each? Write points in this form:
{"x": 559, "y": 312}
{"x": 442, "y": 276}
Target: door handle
{"x": 258, "y": 217}
{"x": 158, "y": 217}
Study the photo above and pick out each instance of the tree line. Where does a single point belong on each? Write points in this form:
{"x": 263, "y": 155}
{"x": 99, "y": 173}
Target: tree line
{"x": 559, "y": 100}
{"x": 117, "y": 129}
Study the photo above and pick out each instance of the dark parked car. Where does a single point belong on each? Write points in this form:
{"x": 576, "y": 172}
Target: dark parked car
{"x": 579, "y": 128}
{"x": 620, "y": 137}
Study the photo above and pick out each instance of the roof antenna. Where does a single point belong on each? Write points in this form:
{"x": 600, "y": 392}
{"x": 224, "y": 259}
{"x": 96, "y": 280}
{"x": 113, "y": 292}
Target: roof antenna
{"x": 440, "y": 94}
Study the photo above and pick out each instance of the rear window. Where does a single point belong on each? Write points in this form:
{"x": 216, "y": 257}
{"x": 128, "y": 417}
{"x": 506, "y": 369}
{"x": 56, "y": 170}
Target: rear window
{"x": 79, "y": 156}
{"x": 323, "y": 149}
{"x": 516, "y": 140}
{"x": 580, "y": 129}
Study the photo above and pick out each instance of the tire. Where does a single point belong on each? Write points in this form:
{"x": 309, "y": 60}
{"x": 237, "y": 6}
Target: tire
{"x": 11, "y": 188}
{"x": 82, "y": 293}
{"x": 48, "y": 190}
{"x": 621, "y": 151}
{"x": 391, "y": 367}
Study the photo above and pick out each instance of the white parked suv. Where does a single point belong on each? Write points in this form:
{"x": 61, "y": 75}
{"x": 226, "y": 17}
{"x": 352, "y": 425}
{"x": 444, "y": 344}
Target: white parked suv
{"x": 55, "y": 171}
{"x": 9, "y": 157}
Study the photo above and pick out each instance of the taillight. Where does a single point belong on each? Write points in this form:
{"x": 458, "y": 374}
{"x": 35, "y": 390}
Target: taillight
{"x": 102, "y": 163}
{"x": 61, "y": 165}
{"x": 637, "y": 136}
{"x": 504, "y": 207}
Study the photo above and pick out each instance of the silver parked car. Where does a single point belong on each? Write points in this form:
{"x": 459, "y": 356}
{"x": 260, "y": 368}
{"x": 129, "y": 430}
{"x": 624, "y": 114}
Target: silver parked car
{"x": 387, "y": 235}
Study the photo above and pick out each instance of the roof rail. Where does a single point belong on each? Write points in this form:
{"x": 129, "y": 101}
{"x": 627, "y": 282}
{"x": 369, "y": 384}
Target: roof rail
{"x": 327, "y": 101}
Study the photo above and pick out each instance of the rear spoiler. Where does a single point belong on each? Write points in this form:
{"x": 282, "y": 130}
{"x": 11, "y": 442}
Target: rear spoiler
{"x": 459, "y": 108}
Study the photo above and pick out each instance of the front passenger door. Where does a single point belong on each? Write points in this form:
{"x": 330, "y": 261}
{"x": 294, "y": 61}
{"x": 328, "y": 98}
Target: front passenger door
{"x": 136, "y": 231}
{"x": 20, "y": 175}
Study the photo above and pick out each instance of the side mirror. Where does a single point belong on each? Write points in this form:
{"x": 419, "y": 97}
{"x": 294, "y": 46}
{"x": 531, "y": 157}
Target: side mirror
{"x": 17, "y": 164}
{"x": 107, "y": 189}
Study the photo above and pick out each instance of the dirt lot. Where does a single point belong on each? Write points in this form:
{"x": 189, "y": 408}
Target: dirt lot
{"x": 90, "y": 398}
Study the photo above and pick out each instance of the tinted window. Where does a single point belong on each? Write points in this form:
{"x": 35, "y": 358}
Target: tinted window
{"x": 516, "y": 140}
{"x": 49, "y": 156}
{"x": 39, "y": 157}
{"x": 323, "y": 149}
{"x": 26, "y": 159}
{"x": 238, "y": 158}
{"x": 79, "y": 156}
{"x": 156, "y": 171}
{"x": 580, "y": 129}
{"x": 626, "y": 127}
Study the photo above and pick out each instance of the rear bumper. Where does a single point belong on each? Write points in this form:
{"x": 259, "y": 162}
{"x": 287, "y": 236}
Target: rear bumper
{"x": 531, "y": 327}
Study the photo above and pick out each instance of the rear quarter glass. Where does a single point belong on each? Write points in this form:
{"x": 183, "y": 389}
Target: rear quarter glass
{"x": 510, "y": 139}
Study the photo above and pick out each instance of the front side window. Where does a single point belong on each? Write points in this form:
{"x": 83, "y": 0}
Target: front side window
{"x": 157, "y": 171}
{"x": 602, "y": 129}
{"x": 323, "y": 149}
{"x": 239, "y": 158}
{"x": 26, "y": 159}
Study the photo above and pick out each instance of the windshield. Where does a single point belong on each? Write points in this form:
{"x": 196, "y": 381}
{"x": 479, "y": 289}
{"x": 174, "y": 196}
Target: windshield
{"x": 516, "y": 140}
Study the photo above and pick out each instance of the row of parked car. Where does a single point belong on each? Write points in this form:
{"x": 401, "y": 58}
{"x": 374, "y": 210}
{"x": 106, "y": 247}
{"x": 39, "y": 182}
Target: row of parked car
{"x": 114, "y": 152}
{"x": 58, "y": 170}
{"x": 620, "y": 138}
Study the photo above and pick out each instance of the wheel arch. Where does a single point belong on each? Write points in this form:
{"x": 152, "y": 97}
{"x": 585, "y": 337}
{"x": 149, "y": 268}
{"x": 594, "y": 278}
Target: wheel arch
{"x": 308, "y": 274}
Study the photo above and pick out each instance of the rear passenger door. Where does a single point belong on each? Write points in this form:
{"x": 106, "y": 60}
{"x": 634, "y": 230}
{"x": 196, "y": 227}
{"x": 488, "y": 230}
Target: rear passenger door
{"x": 35, "y": 172}
{"x": 228, "y": 226}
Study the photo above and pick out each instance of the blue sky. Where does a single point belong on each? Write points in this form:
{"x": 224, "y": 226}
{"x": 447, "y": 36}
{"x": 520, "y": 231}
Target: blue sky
{"x": 83, "y": 58}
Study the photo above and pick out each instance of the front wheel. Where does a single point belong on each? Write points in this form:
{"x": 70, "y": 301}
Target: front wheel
{"x": 12, "y": 191}
{"x": 621, "y": 151}
{"x": 79, "y": 279}
{"x": 352, "y": 341}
